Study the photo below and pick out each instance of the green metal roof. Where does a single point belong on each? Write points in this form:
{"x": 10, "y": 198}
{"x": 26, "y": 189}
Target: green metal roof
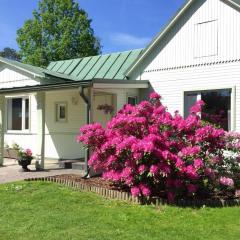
{"x": 108, "y": 66}
{"x": 236, "y": 1}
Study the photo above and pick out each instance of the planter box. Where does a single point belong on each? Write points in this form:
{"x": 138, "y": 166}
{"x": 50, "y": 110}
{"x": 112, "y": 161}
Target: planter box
{"x": 10, "y": 153}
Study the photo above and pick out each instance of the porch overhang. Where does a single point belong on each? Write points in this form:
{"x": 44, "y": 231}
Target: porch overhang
{"x": 95, "y": 83}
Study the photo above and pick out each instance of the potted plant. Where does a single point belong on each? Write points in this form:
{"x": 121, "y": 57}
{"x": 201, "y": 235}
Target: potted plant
{"x": 25, "y": 158}
{"x": 11, "y": 152}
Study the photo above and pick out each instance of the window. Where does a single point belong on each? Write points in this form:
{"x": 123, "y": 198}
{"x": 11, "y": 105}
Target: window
{"x": 132, "y": 100}
{"x": 206, "y": 39}
{"x": 61, "y": 112}
{"x": 18, "y": 114}
{"x": 217, "y": 109}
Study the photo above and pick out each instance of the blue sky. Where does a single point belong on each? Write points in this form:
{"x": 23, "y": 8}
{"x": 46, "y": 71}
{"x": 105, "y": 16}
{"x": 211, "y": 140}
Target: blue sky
{"x": 120, "y": 24}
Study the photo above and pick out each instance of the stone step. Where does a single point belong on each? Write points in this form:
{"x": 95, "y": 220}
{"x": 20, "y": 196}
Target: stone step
{"x": 78, "y": 166}
{"x": 68, "y": 163}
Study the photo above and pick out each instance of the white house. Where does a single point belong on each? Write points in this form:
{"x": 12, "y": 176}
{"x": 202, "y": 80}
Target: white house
{"x": 196, "y": 56}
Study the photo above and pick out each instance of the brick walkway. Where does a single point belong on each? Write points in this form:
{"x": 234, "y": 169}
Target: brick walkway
{"x": 10, "y": 171}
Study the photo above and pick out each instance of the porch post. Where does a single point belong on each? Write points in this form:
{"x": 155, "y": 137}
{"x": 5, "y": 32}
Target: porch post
{"x": 40, "y": 131}
{"x": 2, "y": 127}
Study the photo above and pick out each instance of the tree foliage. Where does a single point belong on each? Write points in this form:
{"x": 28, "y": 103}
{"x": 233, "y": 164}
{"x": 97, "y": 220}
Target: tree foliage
{"x": 59, "y": 29}
{"x": 10, "y": 53}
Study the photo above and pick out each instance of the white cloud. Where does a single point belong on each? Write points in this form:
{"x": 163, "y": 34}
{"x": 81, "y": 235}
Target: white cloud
{"x": 124, "y": 39}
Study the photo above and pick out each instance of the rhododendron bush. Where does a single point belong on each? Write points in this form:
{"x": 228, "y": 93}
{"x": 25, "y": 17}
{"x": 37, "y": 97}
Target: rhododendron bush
{"x": 155, "y": 153}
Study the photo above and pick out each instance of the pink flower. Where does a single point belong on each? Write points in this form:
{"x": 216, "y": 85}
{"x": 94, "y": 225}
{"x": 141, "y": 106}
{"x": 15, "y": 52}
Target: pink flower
{"x": 28, "y": 152}
{"x": 142, "y": 168}
{"x": 135, "y": 191}
{"x": 191, "y": 172}
{"x": 154, "y": 169}
{"x": 155, "y": 95}
{"x": 198, "y": 163}
{"x": 197, "y": 107}
{"x": 226, "y": 181}
{"x": 145, "y": 190}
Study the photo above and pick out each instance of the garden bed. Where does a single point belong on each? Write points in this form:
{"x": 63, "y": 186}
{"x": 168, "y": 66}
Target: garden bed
{"x": 109, "y": 190}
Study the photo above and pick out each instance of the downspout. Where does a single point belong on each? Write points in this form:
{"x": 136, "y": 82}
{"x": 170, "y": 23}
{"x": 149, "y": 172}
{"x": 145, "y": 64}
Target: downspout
{"x": 88, "y": 110}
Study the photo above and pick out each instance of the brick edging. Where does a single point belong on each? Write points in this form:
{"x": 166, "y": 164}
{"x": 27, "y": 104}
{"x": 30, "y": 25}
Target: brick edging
{"x": 125, "y": 196}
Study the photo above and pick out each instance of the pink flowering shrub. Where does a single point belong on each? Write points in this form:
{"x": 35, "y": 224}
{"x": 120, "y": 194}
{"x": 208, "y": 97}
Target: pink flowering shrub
{"x": 155, "y": 153}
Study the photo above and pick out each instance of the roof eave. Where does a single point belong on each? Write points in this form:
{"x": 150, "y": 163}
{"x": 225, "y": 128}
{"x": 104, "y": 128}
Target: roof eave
{"x": 233, "y": 3}
{"x": 22, "y": 69}
{"x": 46, "y": 87}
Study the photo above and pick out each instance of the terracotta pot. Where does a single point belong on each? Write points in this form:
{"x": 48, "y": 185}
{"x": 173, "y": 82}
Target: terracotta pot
{"x": 10, "y": 153}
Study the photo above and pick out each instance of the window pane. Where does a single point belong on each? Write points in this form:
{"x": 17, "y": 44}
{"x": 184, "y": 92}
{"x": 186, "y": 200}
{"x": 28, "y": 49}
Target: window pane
{"x": 132, "y": 101}
{"x": 17, "y": 114}
{"x": 27, "y": 114}
{"x": 218, "y": 108}
{"x": 190, "y": 100}
{"x": 62, "y": 114}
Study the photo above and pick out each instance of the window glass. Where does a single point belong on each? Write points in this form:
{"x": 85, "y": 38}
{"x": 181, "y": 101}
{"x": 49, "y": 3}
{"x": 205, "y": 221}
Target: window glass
{"x": 26, "y": 113}
{"x": 17, "y": 114}
{"x": 217, "y": 109}
{"x": 132, "y": 100}
{"x": 61, "y": 112}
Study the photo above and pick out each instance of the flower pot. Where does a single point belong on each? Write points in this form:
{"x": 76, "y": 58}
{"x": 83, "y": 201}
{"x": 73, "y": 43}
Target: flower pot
{"x": 24, "y": 163}
{"x": 10, "y": 153}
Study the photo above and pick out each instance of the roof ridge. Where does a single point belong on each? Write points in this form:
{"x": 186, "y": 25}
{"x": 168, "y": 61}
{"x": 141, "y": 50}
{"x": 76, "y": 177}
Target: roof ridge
{"x": 105, "y": 54}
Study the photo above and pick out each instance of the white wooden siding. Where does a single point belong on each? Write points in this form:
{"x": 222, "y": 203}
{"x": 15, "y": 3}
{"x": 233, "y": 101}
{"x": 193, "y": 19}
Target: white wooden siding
{"x": 177, "y": 48}
{"x": 171, "y": 84}
{"x": 11, "y": 77}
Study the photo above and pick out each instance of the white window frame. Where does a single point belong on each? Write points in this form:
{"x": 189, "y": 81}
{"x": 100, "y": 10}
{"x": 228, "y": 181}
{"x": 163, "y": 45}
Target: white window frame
{"x": 233, "y": 100}
{"x": 8, "y": 114}
{"x": 57, "y": 112}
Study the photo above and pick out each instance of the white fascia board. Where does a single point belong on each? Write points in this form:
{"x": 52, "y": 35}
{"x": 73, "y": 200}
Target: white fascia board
{"x": 119, "y": 86}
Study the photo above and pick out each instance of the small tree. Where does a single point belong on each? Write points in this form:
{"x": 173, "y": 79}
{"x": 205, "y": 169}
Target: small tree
{"x": 10, "y": 53}
{"x": 60, "y": 29}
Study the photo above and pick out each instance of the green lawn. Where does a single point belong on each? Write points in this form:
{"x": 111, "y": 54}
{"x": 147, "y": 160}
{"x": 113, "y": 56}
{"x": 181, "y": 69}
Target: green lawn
{"x": 49, "y": 211}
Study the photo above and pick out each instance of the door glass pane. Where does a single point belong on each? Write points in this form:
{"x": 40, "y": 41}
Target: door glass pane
{"x": 17, "y": 114}
{"x": 26, "y": 113}
{"x": 218, "y": 107}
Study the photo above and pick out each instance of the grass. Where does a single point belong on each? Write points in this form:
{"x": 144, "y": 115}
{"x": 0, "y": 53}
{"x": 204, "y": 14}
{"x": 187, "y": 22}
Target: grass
{"x": 38, "y": 211}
